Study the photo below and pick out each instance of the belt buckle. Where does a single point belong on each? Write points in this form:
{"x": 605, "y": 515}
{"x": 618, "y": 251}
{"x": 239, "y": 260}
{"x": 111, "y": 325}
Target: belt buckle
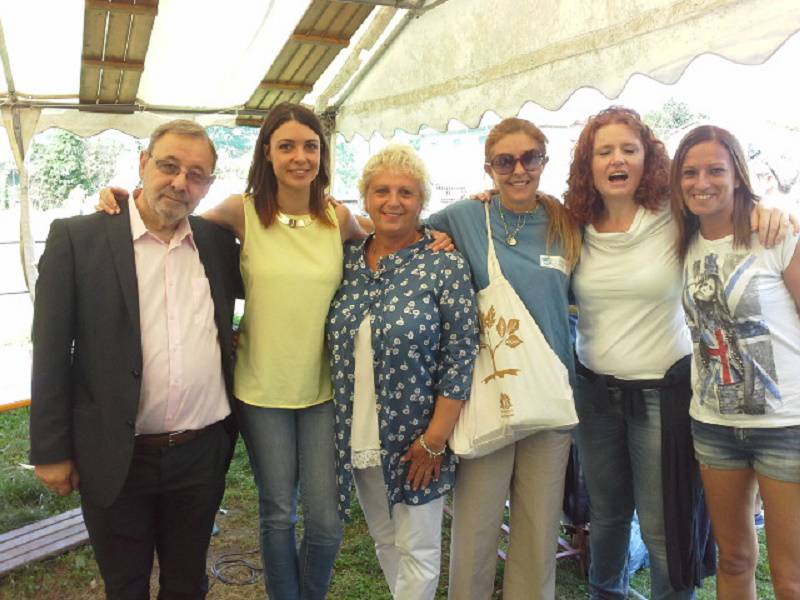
{"x": 172, "y": 437}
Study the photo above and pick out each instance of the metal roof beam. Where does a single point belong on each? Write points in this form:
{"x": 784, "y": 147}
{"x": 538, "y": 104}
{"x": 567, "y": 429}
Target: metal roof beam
{"x": 321, "y": 40}
{"x": 12, "y": 90}
{"x": 407, "y": 4}
{"x": 287, "y": 86}
{"x": 122, "y": 65}
{"x": 122, "y": 7}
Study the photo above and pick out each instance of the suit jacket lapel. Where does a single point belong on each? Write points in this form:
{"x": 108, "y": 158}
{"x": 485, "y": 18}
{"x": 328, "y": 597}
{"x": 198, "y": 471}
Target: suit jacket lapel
{"x": 209, "y": 256}
{"x": 118, "y": 230}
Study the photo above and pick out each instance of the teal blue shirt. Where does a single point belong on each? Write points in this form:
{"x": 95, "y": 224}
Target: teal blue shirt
{"x": 530, "y": 267}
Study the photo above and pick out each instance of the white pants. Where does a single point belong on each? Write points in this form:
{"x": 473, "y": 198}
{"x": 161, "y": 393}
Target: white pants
{"x": 531, "y": 472}
{"x": 408, "y": 543}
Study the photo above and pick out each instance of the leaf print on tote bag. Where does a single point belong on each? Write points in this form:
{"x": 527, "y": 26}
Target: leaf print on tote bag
{"x": 519, "y": 385}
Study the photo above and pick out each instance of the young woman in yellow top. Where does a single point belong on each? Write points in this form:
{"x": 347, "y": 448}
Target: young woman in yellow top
{"x": 291, "y": 264}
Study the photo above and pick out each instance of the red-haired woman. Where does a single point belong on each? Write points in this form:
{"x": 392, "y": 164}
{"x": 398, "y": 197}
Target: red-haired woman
{"x": 633, "y": 348}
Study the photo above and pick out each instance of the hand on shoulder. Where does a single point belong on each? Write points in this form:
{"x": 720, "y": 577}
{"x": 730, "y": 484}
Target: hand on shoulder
{"x": 484, "y": 196}
{"x": 772, "y": 224}
{"x": 109, "y": 200}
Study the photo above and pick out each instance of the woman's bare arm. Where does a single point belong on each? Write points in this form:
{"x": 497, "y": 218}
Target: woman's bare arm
{"x": 791, "y": 276}
{"x": 349, "y": 227}
{"x": 229, "y": 214}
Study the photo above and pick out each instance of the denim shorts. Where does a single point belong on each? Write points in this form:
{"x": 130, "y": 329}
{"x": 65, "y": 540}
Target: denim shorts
{"x": 770, "y": 451}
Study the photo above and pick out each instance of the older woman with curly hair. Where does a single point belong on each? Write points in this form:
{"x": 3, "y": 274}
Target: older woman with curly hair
{"x": 633, "y": 348}
{"x": 403, "y": 336}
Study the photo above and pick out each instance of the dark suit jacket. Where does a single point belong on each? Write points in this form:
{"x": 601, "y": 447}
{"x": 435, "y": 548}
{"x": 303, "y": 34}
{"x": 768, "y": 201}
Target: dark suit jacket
{"x": 87, "y": 350}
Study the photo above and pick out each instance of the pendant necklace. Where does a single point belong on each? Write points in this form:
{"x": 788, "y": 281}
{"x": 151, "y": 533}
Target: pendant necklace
{"x": 293, "y": 221}
{"x": 511, "y": 236}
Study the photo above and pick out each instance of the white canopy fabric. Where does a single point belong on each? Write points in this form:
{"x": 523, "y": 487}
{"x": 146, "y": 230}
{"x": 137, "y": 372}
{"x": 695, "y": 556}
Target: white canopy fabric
{"x": 454, "y": 61}
{"x": 468, "y": 56}
{"x": 139, "y": 124}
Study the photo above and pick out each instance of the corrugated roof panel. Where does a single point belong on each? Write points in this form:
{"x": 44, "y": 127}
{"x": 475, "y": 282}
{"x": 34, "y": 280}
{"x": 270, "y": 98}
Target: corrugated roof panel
{"x": 322, "y": 32}
{"x": 94, "y": 35}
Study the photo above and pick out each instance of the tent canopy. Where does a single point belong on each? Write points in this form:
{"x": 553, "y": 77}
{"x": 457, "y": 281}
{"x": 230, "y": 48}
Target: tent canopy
{"x": 118, "y": 59}
{"x": 469, "y": 56}
{"x": 374, "y": 65}
{"x": 366, "y": 65}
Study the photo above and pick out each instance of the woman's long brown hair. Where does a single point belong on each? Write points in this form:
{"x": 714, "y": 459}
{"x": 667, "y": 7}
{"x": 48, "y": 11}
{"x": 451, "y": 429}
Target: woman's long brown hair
{"x": 744, "y": 198}
{"x": 261, "y": 181}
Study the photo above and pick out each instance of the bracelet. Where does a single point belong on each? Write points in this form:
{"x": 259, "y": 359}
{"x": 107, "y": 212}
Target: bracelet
{"x": 427, "y": 449}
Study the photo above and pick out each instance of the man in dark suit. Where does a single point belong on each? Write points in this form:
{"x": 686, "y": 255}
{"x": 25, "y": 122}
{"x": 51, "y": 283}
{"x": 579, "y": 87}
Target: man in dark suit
{"x": 132, "y": 370}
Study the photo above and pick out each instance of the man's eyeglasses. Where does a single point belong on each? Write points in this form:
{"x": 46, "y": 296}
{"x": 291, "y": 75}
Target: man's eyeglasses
{"x": 173, "y": 169}
{"x": 531, "y": 160}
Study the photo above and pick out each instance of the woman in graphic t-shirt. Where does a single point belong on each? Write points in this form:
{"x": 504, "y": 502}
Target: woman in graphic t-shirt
{"x": 741, "y": 302}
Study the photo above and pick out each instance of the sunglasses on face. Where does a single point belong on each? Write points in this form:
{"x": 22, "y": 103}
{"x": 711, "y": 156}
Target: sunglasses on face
{"x": 531, "y": 160}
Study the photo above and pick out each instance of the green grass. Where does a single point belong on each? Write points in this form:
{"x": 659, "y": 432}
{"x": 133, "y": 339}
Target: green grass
{"x": 357, "y": 575}
{"x": 23, "y": 499}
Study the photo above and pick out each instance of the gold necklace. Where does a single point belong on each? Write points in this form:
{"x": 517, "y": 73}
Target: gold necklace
{"x": 294, "y": 221}
{"x": 511, "y": 238}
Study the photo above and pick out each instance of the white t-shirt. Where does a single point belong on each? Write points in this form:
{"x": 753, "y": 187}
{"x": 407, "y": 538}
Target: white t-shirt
{"x": 746, "y": 334}
{"x": 628, "y": 289}
{"x": 365, "y": 443}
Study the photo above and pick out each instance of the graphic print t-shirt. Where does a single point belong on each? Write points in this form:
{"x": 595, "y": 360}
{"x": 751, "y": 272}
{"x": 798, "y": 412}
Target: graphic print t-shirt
{"x": 745, "y": 334}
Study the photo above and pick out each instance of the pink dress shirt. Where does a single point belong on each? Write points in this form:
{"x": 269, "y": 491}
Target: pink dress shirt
{"x": 182, "y": 381}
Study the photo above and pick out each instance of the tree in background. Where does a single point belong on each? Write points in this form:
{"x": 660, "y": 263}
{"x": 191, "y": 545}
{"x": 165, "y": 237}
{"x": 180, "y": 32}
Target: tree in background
{"x": 61, "y": 161}
{"x": 234, "y": 148}
{"x": 56, "y": 168}
{"x": 345, "y": 184}
{"x": 673, "y": 115}
{"x": 234, "y": 142}
{"x": 101, "y": 155}
{"x": 9, "y": 182}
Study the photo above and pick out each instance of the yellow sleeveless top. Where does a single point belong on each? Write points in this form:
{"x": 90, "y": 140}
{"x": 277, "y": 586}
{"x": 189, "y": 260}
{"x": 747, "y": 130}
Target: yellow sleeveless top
{"x": 290, "y": 276}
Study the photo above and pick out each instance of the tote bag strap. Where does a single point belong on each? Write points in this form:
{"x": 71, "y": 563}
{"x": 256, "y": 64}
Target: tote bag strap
{"x": 496, "y": 274}
{"x": 493, "y": 264}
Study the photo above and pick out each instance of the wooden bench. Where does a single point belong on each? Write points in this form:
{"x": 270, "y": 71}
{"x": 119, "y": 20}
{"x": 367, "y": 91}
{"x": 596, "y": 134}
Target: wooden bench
{"x": 42, "y": 539}
{"x": 4, "y": 406}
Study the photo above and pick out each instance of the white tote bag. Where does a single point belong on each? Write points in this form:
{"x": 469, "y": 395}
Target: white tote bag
{"x": 519, "y": 385}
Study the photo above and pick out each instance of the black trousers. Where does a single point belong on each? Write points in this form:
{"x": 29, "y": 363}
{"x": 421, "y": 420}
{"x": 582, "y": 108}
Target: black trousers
{"x": 168, "y": 504}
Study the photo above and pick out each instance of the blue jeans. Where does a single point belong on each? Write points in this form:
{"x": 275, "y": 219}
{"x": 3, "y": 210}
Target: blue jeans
{"x": 286, "y": 448}
{"x": 620, "y": 452}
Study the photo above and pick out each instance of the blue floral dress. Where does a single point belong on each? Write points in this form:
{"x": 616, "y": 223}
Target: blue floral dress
{"x": 424, "y": 337}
